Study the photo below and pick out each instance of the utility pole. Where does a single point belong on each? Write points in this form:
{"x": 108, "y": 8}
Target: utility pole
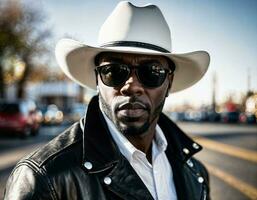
{"x": 248, "y": 81}
{"x": 248, "y": 90}
{"x": 214, "y": 83}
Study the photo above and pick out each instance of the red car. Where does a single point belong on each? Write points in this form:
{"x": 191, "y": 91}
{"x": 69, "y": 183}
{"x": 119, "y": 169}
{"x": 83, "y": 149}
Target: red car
{"x": 19, "y": 117}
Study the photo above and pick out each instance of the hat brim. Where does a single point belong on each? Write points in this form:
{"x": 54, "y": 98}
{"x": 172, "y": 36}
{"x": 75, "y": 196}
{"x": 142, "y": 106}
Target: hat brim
{"x": 77, "y": 61}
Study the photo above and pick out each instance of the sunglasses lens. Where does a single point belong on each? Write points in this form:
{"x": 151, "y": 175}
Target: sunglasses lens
{"x": 151, "y": 75}
{"x": 114, "y": 74}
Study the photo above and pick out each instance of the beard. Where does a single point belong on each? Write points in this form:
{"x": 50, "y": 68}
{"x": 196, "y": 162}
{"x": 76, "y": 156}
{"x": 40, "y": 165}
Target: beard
{"x": 124, "y": 126}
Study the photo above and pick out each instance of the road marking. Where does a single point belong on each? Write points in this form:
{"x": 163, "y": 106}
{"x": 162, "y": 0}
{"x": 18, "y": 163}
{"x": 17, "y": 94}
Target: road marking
{"x": 214, "y": 128}
{"x": 248, "y": 155}
{"x": 246, "y": 189}
{"x": 10, "y": 158}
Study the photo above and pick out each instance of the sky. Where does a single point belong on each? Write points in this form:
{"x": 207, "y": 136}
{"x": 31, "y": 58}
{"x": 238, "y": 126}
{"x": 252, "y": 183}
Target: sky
{"x": 226, "y": 29}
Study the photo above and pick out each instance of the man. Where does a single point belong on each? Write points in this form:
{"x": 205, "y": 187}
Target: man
{"x": 124, "y": 148}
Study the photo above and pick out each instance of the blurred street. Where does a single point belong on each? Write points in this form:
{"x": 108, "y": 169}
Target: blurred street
{"x": 230, "y": 154}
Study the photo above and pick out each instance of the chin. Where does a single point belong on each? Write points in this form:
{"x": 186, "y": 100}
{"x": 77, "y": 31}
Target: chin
{"x": 133, "y": 130}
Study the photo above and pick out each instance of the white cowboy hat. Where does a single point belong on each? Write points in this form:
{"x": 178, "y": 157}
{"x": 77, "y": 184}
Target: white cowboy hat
{"x": 131, "y": 29}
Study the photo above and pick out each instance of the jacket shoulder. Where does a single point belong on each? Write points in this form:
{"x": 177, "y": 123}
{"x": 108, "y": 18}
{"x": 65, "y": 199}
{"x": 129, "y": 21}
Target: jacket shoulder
{"x": 67, "y": 145}
{"x": 26, "y": 183}
{"x": 200, "y": 168}
{"x": 201, "y": 171}
{"x": 30, "y": 179}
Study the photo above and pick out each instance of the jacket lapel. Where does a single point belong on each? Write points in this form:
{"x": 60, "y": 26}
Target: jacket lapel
{"x": 126, "y": 183}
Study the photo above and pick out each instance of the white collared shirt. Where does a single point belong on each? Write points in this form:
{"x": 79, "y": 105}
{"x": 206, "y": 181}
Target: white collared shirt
{"x": 158, "y": 176}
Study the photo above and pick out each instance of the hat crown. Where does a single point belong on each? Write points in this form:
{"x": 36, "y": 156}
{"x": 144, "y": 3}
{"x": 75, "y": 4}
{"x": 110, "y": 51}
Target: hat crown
{"x": 136, "y": 24}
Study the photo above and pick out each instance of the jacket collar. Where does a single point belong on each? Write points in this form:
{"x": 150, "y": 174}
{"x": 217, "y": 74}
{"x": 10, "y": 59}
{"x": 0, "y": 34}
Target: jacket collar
{"x": 98, "y": 145}
{"x": 100, "y": 149}
{"x": 179, "y": 144}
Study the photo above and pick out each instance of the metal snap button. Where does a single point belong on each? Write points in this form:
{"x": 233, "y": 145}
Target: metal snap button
{"x": 200, "y": 179}
{"x": 186, "y": 151}
{"x": 107, "y": 180}
{"x": 195, "y": 146}
{"x": 190, "y": 163}
{"x": 88, "y": 165}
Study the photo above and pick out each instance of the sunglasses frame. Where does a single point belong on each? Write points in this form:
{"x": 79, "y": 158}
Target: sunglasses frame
{"x": 131, "y": 68}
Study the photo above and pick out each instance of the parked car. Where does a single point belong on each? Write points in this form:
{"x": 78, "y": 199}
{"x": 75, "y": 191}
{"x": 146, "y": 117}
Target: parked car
{"x": 176, "y": 116}
{"x": 213, "y": 116}
{"x": 196, "y": 116}
{"x": 78, "y": 110}
{"x": 53, "y": 115}
{"x": 19, "y": 117}
{"x": 248, "y": 118}
{"x": 230, "y": 117}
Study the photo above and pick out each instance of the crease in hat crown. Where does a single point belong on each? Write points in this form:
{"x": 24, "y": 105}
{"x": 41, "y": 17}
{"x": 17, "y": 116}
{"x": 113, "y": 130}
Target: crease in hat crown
{"x": 135, "y": 24}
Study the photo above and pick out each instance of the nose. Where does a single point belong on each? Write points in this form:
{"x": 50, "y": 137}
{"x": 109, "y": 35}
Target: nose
{"x": 132, "y": 86}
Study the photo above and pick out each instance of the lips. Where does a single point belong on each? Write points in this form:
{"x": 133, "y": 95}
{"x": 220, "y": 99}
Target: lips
{"x": 132, "y": 106}
{"x": 132, "y": 110}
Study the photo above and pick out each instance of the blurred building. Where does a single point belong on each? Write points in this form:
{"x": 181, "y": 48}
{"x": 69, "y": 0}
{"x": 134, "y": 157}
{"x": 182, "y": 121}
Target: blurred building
{"x": 61, "y": 93}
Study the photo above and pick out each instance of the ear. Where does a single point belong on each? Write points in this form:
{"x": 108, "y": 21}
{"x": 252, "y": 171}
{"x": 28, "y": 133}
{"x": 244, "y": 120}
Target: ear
{"x": 167, "y": 92}
{"x": 96, "y": 78}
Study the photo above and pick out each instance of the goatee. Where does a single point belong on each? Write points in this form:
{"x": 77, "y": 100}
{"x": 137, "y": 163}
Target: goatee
{"x": 130, "y": 130}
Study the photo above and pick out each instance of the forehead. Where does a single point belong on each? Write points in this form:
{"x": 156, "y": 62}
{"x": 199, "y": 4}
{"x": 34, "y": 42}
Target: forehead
{"x": 129, "y": 57}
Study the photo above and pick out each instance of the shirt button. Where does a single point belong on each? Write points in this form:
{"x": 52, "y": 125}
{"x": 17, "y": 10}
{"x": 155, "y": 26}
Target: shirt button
{"x": 186, "y": 151}
{"x": 88, "y": 165}
{"x": 107, "y": 180}
{"x": 196, "y": 146}
{"x": 200, "y": 179}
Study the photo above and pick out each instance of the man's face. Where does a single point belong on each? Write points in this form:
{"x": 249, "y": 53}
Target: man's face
{"x": 131, "y": 106}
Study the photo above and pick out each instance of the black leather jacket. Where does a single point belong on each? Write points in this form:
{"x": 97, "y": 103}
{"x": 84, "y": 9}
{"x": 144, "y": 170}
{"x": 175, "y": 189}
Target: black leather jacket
{"x": 58, "y": 170}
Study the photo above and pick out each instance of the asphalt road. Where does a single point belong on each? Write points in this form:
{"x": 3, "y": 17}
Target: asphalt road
{"x": 230, "y": 155}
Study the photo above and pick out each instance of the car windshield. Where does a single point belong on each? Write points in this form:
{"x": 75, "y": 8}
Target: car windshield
{"x": 9, "y": 108}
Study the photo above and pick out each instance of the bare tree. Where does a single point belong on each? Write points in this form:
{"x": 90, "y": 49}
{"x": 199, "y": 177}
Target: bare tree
{"x": 9, "y": 37}
{"x": 23, "y": 35}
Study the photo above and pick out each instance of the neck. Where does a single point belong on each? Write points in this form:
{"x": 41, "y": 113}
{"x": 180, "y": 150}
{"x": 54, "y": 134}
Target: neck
{"x": 144, "y": 142}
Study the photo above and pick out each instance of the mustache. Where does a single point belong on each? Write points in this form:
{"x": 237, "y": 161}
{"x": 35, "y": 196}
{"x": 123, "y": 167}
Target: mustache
{"x": 131, "y": 103}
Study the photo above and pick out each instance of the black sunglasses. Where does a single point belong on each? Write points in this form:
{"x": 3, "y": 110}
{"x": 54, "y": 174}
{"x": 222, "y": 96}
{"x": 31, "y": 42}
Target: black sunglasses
{"x": 150, "y": 75}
